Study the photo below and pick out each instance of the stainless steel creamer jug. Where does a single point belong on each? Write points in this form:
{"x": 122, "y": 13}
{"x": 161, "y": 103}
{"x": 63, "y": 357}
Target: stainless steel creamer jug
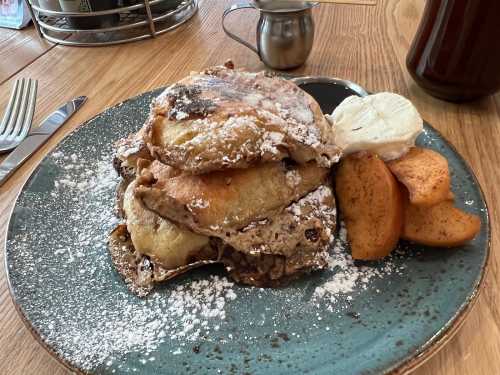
{"x": 285, "y": 32}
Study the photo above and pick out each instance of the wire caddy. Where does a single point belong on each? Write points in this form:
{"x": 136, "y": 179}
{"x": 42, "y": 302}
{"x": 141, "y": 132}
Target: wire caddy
{"x": 136, "y": 22}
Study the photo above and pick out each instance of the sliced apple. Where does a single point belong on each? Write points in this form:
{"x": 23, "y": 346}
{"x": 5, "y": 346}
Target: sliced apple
{"x": 371, "y": 203}
{"x": 425, "y": 174}
{"x": 441, "y": 225}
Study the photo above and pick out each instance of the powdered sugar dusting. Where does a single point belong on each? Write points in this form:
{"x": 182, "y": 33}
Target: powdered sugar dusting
{"x": 293, "y": 178}
{"x": 89, "y": 333}
{"x": 99, "y": 334}
{"x": 190, "y": 311}
{"x": 348, "y": 277}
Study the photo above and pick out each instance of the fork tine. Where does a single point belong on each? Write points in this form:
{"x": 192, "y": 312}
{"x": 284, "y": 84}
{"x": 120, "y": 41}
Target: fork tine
{"x": 15, "y": 108}
{"x": 23, "y": 107}
{"x": 28, "y": 119}
{"x": 8, "y": 109}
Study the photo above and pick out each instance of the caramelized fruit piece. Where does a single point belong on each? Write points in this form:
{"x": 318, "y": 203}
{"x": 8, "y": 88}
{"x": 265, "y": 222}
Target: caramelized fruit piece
{"x": 441, "y": 225}
{"x": 371, "y": 202}
{"x": 425, "y": 174}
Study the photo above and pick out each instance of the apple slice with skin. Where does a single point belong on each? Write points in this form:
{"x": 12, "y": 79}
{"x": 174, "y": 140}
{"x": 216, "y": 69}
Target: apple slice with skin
{"x": 425, "y": 174}
{"x": 371, "y": 203}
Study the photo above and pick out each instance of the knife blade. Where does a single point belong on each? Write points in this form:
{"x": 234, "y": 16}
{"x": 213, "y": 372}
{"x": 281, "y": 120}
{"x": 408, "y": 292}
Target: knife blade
{"x": 38, "y": 137}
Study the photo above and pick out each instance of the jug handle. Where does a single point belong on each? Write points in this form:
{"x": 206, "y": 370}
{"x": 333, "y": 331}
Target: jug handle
{"x": 234, "y": 36}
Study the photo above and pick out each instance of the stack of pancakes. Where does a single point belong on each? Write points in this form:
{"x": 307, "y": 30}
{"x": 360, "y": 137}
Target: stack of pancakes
{"x": 231, "y": 167}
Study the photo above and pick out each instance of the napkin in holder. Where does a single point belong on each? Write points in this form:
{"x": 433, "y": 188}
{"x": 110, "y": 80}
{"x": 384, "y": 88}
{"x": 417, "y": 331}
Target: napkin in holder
{"x": 14, "y": 14}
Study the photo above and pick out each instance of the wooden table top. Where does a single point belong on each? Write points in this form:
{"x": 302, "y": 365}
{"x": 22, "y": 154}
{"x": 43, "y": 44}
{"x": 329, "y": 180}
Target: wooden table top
{"x": 363, "y": 44}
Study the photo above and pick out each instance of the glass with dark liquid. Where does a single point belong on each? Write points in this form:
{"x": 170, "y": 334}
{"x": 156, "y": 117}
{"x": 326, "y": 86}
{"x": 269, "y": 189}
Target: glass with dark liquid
{"x": 456, "y": 52}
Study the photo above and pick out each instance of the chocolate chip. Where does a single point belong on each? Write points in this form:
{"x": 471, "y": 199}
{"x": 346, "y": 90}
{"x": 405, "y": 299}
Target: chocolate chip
{"x": 117, "y": 165}
{"x": 312, "y": 235}
{"x": 229, "y": 64}
{"x": 289, "y": 164}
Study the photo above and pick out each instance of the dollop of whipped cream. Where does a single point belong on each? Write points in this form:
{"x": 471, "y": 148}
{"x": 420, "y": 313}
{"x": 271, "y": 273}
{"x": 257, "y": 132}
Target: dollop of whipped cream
{"x": 385, "y": 123}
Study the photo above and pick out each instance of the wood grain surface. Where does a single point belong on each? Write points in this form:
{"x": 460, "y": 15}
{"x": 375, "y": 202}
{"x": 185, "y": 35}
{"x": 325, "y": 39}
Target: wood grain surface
{"x": 18, "y": 49}
{"x": 367, "y": 45}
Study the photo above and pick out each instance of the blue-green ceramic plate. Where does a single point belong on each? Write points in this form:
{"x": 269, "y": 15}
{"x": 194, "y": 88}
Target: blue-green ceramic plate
{"x": 372, "y": 318}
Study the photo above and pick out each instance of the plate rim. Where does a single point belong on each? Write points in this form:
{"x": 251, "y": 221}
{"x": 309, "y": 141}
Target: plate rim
{"x": 451, "y": 328}
{"x": 414, "y": 360}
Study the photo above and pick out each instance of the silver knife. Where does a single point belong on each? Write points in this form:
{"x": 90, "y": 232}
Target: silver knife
{"x": 38, "y": 137}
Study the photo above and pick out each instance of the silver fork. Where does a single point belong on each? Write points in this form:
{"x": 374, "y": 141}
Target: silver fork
{"x": 18, "y": 116}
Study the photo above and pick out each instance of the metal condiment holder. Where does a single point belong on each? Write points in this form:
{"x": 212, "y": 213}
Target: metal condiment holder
{"x": 136, "y": 22}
